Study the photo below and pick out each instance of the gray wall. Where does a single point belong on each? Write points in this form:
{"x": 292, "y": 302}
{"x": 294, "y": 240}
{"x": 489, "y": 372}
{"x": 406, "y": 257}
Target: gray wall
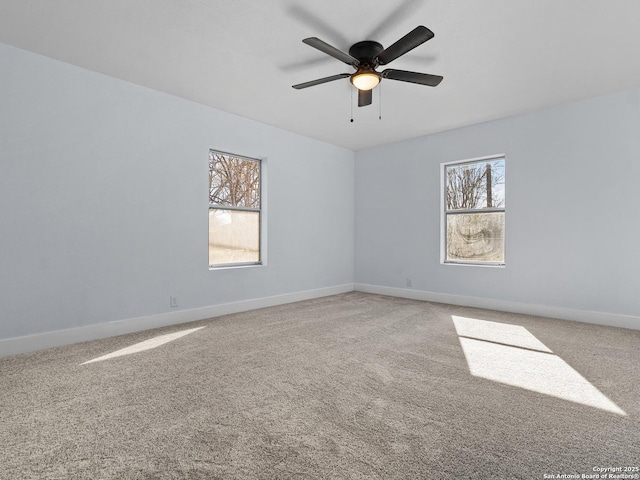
{"x": 103, "y": 189}
{"x": 572, "y": 219}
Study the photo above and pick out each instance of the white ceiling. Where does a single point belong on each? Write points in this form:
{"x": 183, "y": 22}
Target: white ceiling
{"x": 498, "y": 57}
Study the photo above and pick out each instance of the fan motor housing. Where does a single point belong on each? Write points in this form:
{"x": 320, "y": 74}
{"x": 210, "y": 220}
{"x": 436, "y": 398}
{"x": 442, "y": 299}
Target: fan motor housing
{"x": 366, "y": 51}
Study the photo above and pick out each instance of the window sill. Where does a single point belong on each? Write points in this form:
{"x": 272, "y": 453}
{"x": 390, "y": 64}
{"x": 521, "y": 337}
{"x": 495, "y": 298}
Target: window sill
{"x": 484, "y": 265}
{"x": 233, "y": 267}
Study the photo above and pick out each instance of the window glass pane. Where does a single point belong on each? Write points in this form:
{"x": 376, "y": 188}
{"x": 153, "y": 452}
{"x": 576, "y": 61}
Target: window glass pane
{"x": 475, "y": 237}
{"x": 233, "y": 181}
{"x": 234, "y": 236}
{"x": 476, "y": 185}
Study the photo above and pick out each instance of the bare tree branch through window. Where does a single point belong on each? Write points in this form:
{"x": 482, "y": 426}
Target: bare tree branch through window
{"x": 233, "y": 181}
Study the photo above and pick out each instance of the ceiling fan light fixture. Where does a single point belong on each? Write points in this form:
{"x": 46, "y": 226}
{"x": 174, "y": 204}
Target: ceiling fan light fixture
{"x": 366, "y": 56}
{"x": 365, "y": 80}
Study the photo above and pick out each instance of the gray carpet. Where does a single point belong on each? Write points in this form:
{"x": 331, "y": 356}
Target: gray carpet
{"x": 352, "y": 386}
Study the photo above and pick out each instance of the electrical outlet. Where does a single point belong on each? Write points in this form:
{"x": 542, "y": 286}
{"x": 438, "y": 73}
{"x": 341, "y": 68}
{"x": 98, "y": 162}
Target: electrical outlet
{"x": 173, "y": 301}
{"x": 408, "y": 282}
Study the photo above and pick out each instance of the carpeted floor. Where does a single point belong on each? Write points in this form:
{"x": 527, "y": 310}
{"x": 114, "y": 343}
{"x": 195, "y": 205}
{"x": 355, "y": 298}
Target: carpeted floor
{"x": 353, "y": 386}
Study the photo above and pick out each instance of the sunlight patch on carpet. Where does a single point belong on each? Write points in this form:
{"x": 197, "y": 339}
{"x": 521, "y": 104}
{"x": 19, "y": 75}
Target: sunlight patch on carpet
{"x": 146, "y": 345}
{"x": 511, "y": 355}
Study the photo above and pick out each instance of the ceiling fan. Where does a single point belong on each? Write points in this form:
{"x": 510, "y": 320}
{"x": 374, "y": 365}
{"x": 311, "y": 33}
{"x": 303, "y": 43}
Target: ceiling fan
{"x": 366, "y": 56}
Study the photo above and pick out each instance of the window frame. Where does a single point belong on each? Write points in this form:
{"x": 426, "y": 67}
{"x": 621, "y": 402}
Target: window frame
{"x": 444, "y": 213}
{"x": 260, "y": 210}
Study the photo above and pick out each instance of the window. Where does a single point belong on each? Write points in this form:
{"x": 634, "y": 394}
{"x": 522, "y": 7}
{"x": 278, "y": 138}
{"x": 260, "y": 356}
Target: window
{"x": 474, "y": 211}
{"x": 234, "y": 210}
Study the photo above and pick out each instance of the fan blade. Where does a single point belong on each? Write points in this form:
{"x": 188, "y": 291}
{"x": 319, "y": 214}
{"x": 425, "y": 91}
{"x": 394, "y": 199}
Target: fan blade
{"x": 411, "y": 40}
{"x": 314, "y": 23}
{"x": 412, "y": 77}
{"x": 364, "y": 97}
{"x": 405, "y": 10}
{"x": 324, "y": 47}
{"x": 321, "y": 81}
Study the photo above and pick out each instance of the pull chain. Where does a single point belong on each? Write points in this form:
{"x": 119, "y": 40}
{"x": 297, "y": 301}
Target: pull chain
{"x": 380, "y": 101}
{"x": 351, "y": 90}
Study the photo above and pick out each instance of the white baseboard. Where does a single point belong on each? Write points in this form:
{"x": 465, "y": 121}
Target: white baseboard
{"x": 599, "y": 318}
{"x": 30, "y": 343}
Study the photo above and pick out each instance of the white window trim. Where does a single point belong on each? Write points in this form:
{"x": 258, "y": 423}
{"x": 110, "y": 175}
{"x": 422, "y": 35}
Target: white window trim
{"x": 263, "y": 214}
{"x": 443, "y": 216}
